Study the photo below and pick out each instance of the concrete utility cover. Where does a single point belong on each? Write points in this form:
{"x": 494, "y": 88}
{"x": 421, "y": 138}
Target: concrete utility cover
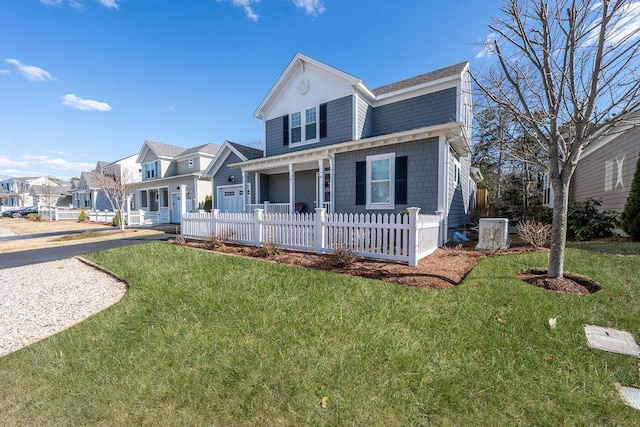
{"x": 612, "y": 340}
{"x": 630, "y": 396}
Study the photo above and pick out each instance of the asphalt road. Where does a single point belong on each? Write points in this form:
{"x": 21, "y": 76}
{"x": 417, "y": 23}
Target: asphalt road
{"x": 36, "y": 256}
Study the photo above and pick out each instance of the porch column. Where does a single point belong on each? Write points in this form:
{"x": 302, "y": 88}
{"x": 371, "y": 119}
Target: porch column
{"x": 94, "y": 198}
{"x": 292, "y": 188}
{"x": 244, "y": 191}
{"x": 332, "y": 188}
{"x": 148, "y": 200}
{"x": 256, "y": 190}
{"x": 183, "y": 199}
{"x": 321, "y": 184}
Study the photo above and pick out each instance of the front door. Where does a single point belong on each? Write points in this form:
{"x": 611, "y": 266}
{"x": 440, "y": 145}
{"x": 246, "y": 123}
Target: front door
{"x": 175, "y": 208}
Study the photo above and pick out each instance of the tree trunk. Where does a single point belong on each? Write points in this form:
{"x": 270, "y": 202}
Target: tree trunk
{"x": 559, "y": 228}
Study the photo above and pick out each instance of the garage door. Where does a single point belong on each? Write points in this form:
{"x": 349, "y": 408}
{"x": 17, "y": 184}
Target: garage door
{"x": 230, "y": 199}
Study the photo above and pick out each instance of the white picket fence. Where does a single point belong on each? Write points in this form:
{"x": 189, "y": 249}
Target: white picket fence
{"x": 399, "y": 237}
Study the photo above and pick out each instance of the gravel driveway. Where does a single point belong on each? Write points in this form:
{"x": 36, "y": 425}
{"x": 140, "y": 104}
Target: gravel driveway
{"x": 39, "y": 300}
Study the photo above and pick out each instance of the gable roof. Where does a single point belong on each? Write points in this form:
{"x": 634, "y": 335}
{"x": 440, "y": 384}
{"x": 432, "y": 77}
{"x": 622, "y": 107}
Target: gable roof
{"x": 297, "y": 63}
{"x": 431, "y": 76}
{"x": 172, "y": 152}
{"x": 90, "y": 178}
{"x": 242, "y": 151}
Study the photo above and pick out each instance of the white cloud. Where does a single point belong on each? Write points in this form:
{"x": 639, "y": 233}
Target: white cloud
{"x": 72, "y": 3}
{"x": 38, "y": 165}
{"x": 60, "y": 153}
{"x": 30, "y": 72}
{"x": 311, "y": 7}
{"x": 112, "y": 4}
{"x": 488, "y": 49}
{"x": 70, "y": 100}
{"x": 51, "y": 2}
{"x": 4, "y": 72}
{"x": 246, "y": 6}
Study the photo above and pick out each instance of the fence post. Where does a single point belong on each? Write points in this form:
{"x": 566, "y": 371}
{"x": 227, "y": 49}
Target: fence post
{"x": 413, "y": 236}
{"x": 321, "y": 217}
{"x": 257, "y": 227}
{"x": 214, "y": 221}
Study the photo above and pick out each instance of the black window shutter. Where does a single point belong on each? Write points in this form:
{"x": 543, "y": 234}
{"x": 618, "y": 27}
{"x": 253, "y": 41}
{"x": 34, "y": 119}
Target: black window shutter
{"x": 285, "y": 130}
{"x": 361, "y": 183}
{"x": 401, "y": 180}
{"x": 323, "y": 120}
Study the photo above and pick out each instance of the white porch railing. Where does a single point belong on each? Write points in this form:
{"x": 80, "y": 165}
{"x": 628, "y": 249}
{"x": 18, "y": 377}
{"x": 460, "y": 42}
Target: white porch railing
{"x": 268, "y": 207}
{"x": 406, "y": 238}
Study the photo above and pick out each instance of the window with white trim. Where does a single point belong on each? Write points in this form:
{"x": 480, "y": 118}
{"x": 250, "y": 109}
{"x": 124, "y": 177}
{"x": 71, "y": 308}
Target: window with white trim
{"x": 380, "y": 181}
{"x": 304, "y": 126}
{"x": 456, "y": 172}
{"x": 150, "y": 170}
{"x": 190, "y": 163}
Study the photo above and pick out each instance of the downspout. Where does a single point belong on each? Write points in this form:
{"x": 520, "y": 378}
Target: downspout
{"x": 195, "y": 199}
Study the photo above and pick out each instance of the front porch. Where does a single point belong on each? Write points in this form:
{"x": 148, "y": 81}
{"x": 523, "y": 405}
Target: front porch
{"x": 294, "y": 187}
{"x": 156, "y": 205}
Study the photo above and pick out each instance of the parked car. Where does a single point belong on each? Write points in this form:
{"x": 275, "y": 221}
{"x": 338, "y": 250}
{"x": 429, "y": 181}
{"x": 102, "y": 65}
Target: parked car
{"x": 19, "y": 213}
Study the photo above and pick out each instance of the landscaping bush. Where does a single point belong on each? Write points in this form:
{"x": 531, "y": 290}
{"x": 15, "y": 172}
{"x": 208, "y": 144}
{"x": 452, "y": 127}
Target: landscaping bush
{"x": 208, "y": 203}
{"x": 630, "y": 218}
{"x": 83, "y": 217}
{"x": 217, "y": 240}
{"x": 584, "y": 220}
{"x": 34, "y": 217}
{"x": 343, "y": 256}
{"x": 269, "y": 249}
{"x": 115, "y": 221}
{"x": 535, "y": 233}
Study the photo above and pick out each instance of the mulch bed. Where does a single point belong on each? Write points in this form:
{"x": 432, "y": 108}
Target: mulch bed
{"x": 443, "y": 269}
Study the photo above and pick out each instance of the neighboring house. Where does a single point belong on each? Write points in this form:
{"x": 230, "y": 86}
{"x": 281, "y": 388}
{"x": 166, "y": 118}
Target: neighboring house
{"x": 53, "y": 194}
{"x": 16, "y": 192}
{"x": 164, "y": 169}
{"x": 226, "y": 182}
{"x": 88, "y": 192}
{"x": 606, "y": 168}
{"x": 332, "y": 142}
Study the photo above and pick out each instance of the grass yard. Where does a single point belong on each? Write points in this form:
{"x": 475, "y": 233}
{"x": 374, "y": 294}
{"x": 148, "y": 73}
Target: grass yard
{"x": 208, "y": 339}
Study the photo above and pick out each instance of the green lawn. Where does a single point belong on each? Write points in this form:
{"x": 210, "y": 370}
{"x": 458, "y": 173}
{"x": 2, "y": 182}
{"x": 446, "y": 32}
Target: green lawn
{"x": 207, "y": 339}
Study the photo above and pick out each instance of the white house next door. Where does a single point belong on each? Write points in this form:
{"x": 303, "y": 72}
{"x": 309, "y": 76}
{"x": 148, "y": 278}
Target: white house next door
{"x": 230, "y": 198}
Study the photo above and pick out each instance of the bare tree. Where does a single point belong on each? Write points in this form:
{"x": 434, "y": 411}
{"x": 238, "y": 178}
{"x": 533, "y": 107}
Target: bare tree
{"x": 117, "y": 184}
{"x": 567, "y": 72}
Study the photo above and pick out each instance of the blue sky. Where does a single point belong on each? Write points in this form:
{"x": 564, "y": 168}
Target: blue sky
{"x": 89, "y": 80}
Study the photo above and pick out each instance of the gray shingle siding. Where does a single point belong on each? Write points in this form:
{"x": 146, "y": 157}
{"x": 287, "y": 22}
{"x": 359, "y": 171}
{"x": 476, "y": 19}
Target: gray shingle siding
{"x": 422, "y": 176}
{"x": 365, "y": 118}
{"x": 277, "y": 188}
{"x": 426, "y": 110}
{"x": 458, "y": 193}
{"x": 222, "y": 177}
{"x": 339, "y": 129}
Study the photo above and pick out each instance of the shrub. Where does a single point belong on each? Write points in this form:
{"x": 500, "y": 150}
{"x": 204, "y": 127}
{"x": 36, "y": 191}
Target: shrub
{"x": 83, "y": 217}
{"x": 115, "y": 221}
{"x": 216, "y": 241}
{"x": 585, "y": 221}
{"x": 208, "y": 203}
{"x": 34, "y": 217}
{"x": 630, "y": 218}
{"x": 180, "y": 240}
{"x": 535, "y": 233}
{"x": 269, "y": 249}
{"x": 343, "y": 256}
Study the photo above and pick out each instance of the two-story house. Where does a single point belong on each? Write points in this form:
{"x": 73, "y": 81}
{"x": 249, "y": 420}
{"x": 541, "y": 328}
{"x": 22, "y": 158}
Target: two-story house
{"x": 165, "y": 168}
{"x": 330, "y": 141}
{"x": 17, "y": 191}
{"x": 89, "y": 192}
